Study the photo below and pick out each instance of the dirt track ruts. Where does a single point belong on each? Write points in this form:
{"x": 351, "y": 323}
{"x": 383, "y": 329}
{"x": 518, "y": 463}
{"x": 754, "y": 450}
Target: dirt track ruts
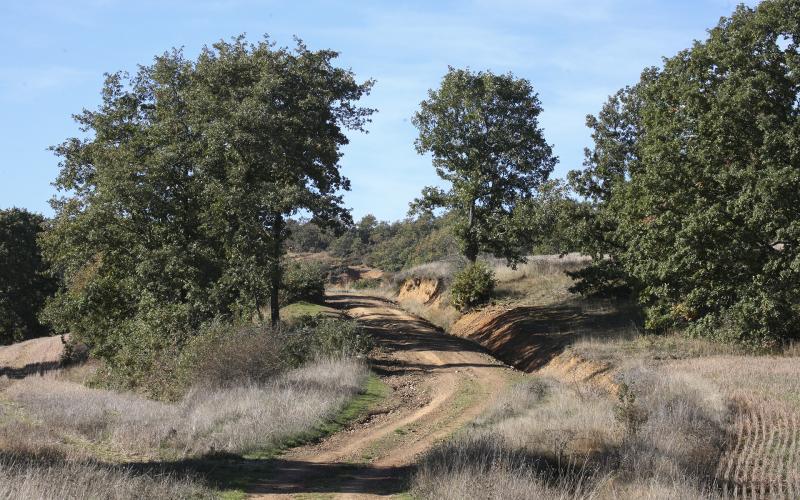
{"x": 438, "y": 383}
{"x": 762, "y": 457}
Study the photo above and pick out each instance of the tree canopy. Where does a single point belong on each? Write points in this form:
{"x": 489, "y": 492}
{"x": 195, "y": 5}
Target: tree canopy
{"x": 483, "y": 133}
{"x": 697, "y": 189}
{"x": 25, "y": 280}
{"x": 175, "y": 201}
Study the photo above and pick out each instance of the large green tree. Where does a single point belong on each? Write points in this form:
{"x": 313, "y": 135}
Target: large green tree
{"x": 608, "y": 166}
{"x": 175, "y": 202}
{"x": 25, "y": 281}
{"x": 712, "y": 218}
{"x": 693, "y": 187}
{"x": 278, "y": 119}
{"x": 483, "y": 133}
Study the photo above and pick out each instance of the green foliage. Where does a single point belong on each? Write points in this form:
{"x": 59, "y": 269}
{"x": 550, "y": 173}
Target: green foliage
{"x": 306, "y": 236}
{"x": 712, "y": 220}
{"x": 545, "y": 218}
{"x": 607, "y": 167}
{"x": 602, "y": 279}
{"x": 483, "y": 132}
{"x": 694, "y": 182}
{"x": 398, "y": 245}
{"x": 25, "y": 282}
{"x": 365, "y": 283}
{"x": 303, "y": 281}
{"x": 323, "y": 337}
{"x": 472, "y": 286}
{"x": 221, "y": 354}
{"x": 175, "y": 203}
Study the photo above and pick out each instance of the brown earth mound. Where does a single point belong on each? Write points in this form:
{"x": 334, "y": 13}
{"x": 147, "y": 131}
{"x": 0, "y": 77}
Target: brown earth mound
{"x": 421, "y": 290}
{"x": 520, "y": 336}
{"x": 31, "y": 356}
{"x": 530, "y": 339}
{"x": 572, "y": 369}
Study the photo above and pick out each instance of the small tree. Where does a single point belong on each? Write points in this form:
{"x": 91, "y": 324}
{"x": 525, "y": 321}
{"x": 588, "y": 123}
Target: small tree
{"x": 472, "y": 286}
{"x": 483, "y": 132}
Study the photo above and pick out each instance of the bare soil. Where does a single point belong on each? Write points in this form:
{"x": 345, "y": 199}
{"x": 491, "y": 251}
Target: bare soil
{"x": 438, "y": 383}
{"x": 31, "y": 356}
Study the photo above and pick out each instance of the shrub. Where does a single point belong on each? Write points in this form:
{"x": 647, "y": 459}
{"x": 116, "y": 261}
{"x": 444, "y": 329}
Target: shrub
{"x": 225, "y": 355}
{"x": 303, "y": 281}
{"x": 220, "y": 354}
{"x": 316, "y": 337}
{"x": 472, "y": 286}
{"x": 364, "y": 283}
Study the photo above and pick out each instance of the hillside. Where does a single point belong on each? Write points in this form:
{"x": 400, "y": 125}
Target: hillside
{"x": 709, "y": 419}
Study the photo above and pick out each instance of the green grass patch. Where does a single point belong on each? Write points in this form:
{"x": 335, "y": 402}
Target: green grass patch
{"x": 293, "y": 312}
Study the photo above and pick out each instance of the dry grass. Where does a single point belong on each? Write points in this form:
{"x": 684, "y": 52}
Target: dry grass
{"x": 483, "y": 467}
{"x": 441, "y": 313}
{"x": 79, "y": 480}
{"x": 541, "y": 281}
{"x": 545, "y": 439}
{"x": 239, "y": 419}
{"x": 55, "y": 432}
{"x": 440, "y": 270}
{"x": 765, "y": 379}
{"x": 538, "y": 266}
{"x": 621, "y": 345}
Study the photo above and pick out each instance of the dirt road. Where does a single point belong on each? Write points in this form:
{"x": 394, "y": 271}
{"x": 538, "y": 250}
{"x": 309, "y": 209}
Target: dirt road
{"x": 437, "y": 384}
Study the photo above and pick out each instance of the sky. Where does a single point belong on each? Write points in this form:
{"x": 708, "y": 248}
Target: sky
{"x": 575, "y": 53}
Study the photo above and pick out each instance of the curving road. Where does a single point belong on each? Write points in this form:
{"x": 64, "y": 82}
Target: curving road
{"x": 438, "y": 383}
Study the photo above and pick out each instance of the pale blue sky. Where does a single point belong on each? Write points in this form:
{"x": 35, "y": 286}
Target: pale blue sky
{"x": 575, "y": 52}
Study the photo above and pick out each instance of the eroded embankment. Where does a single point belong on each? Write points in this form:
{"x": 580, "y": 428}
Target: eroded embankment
{"x": 35, "y": 356}
{"x": 528, "y": 338}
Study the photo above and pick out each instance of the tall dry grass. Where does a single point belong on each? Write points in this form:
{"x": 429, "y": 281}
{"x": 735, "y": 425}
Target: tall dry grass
{"x": 85, "y": 480}
{"x": 547, "y": 439}
{"x": 440, "y": 270}
{"x": 541, "y": 281}
{"x": 235, "y": 419}
{"x": 537, "y": 266}
{"x": 771, "y": 380}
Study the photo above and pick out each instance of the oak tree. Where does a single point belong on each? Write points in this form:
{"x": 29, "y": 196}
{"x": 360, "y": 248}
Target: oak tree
{"x": 174, "y": 202}
{"x": 483, "y": 133}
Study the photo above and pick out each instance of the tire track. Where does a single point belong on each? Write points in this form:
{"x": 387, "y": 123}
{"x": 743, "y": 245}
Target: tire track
{"x": 761, "y": 459}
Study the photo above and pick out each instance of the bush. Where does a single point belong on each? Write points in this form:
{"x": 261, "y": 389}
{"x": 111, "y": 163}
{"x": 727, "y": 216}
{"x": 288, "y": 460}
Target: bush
{"x": 365, "y": 283}
{"x": 316, "y": 337}
{"x": 225, "y": 355}
{"x": 220, "y": 354}
{"x": 303, "y": 281}
{"x": 472, "y": 286}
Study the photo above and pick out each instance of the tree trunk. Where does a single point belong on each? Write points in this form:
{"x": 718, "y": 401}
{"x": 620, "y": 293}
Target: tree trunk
{"x": 275, "y": 272}
{"x": 470, "y": 245}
